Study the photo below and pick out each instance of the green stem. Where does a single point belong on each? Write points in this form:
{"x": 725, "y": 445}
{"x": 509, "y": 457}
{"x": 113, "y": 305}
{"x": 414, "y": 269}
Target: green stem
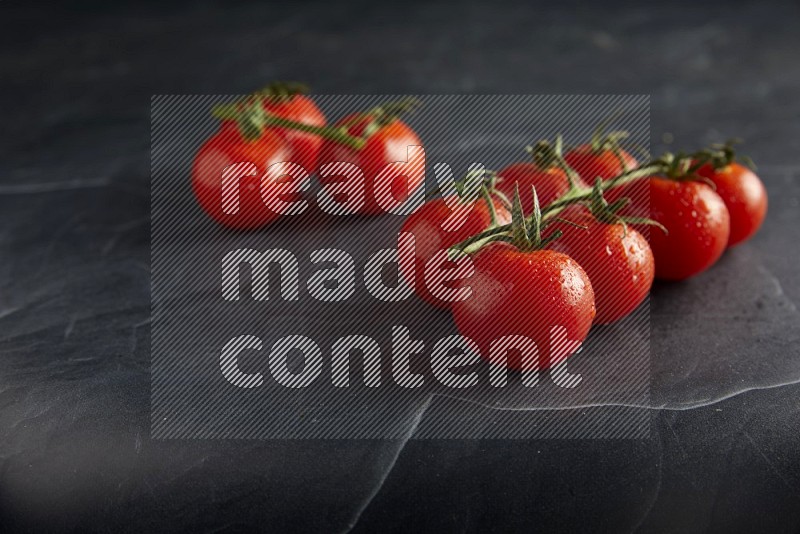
{"x": 572, "y": 176}
{"x": 252, "y": 118}
{"x": 337, "y": 135}
{"x": 487, "y": 197}
{"x": 570, "y": 197}
{"x": 585, "y": 193}
{"x": 645, "y": 171}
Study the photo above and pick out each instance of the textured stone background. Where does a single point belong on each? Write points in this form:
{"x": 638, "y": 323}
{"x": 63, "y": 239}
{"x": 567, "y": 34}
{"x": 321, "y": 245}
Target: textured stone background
{"x": 74, "y": 271}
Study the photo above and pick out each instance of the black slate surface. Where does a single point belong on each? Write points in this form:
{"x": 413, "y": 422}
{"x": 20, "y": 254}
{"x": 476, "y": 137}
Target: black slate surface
{"x": 75, "y": 454}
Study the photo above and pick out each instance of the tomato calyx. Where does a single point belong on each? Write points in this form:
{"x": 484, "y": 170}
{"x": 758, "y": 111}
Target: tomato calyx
{"x": 610, "y": 141}
{"x": 578, "y": 195}
{"x": 252, "y": 119}
{"x": 607, "y": 213}
{"x": 525, "y": 233}
{"x": 281, "y": 92}
{"x": 603, "y": 141}
{"x": 488, "y": 190}
{"x": 683, "y": 167}
{"x": 387, "y": 113}
{"x": 547, "y": 155}
{"x": 721, "y": 155}
{"x": 583, "y": 194}
{"x": 382, "y": 115}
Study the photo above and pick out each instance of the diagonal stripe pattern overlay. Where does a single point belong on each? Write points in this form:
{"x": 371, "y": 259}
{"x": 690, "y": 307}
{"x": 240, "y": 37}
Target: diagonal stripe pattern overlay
{"x": 280, "y": 352}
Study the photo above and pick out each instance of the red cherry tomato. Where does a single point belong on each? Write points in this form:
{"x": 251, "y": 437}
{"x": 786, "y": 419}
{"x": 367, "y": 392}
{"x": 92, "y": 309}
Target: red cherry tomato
{"x": 617, "y": 259}
{"x": 516, "y": 293}
{"x": 430, "y": 236}
{"x": 550, "y": 182}
{"x": 744, "y": 195}
{"x": 225, "y": 148}
{"x": 389, "y": 144}
{"x": 695, "y": 217}
{"x": 605, "y": 163}
{"x": 304, "y": 146}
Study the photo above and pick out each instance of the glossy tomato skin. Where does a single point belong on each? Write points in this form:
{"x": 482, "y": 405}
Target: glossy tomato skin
{"x": 304, "y": 147}
{"x": 430, "y": 236}
{"x": 617, "y": 259}
{"x": 590, "y": 164}
{"x": 550, "y": 183}
{"x": 226, "y": 148}
{"x": 695, "y": 216}
{"x": 526, "y": 294}
{"x": 388, "y": 145}
{"x": 744, "y": 195}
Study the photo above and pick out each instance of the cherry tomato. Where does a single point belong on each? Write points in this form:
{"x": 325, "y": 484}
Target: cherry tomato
{"x": 550, "y": 182}
{"x": 427, "y": 224}
{"x": 526, "y": 293}
{"x": 695, "y": 217}
{"x": 389, "y": 144}
{"x": 227, "y": 147}
{"x": 304, "y": 146}
{"x": 617, "y": 259}
{"x": 744, "y": 195}
{"x": 605, "y": 163}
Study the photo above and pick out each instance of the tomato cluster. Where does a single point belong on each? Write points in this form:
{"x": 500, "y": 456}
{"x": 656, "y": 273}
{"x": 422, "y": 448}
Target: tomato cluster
{"x": 282, "y": 126}
{"x": 599, "y": 227}
{"x": 670, "y": 219}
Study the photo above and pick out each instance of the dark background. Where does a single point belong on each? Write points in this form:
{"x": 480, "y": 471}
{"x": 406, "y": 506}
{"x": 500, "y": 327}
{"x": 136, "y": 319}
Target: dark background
{"x": 75, "y": 452}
